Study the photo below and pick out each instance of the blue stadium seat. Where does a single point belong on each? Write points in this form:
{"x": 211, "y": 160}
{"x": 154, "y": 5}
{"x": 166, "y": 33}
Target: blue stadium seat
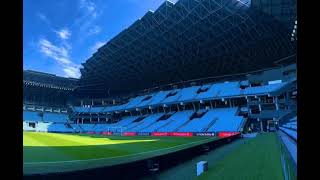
{"x": 175, "y": 121}
{"x": 55, "y": 117}
{"x": 227, "y": 120}
{"x": 31, "y": 116}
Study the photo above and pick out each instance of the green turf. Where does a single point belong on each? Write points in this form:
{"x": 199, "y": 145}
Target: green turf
{"x": 51, "y": 152}
{"x": 288, "y": 162}
{"x": 258, "y": 158}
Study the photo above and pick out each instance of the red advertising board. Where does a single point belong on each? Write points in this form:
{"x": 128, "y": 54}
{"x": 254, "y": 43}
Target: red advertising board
{"x": 185, "y": 134}
{"x": 160, "y": 134}
{"x": 129, "y": 134}
{"x": 227, "y": 134}
{"x": 106, "y": 133}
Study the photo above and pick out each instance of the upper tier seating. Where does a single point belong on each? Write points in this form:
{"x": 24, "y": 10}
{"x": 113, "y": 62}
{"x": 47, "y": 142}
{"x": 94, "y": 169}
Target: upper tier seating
{"x": 194, "y": 93}
{"x": 81, "y": 109}
{"x": 188, "y": 93}
{"x": 134, "y": 102}
{"x": 263, "y": 89}
{"x": 220, "y": 90}
{"x": 160, "y": 96}
{"x": 172, "y": 96}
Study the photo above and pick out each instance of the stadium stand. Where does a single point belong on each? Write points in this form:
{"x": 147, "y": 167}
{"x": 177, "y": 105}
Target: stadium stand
{"x": 175, "y": 121}
{"x": 227, "y": 121}
{"x": 60, "y": 127}
{"x": 188, "y": 93}
{"x": 31, "y": 116}
{"x": 147, "y": 122}
{"x": 290, "y": 128}
{"x": 158, "y": 123}
{"x": 194, "y": 93}
{"x": 221, "y": 119}
{"x": 199, "y": 121}
{"x": 136, "y": 126}
{"x": 55, "y": 117}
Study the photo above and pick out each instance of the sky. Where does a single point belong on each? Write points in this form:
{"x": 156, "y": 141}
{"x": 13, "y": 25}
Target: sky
{"x": 59, "y": 35}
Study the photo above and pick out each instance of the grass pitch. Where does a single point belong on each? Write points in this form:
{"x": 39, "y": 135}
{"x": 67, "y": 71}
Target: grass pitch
{"x": 257, "y": 158}
{"x": 52, "y": 152}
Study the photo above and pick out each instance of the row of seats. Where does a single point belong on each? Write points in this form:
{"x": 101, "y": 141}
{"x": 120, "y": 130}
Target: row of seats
{"x": 209, "y": 91}
{"x": 222, "y": 119}
{"x": 292, "y": 125}
{"x": 290, "y": 128}
{"x": 290, "y": 132}
{"x": 47, "y": 116}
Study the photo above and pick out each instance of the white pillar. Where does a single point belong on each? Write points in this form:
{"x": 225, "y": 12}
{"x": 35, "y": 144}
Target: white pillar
{"x": 276, "y": 101}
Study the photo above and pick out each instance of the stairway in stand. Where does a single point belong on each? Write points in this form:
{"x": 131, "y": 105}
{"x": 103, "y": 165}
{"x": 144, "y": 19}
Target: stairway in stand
{"x": 210, "y": 125}
{"x": 184, "y": 124}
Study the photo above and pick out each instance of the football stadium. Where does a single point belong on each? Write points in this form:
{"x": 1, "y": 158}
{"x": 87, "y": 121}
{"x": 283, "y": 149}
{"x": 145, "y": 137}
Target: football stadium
{"x": 196, "y": 89}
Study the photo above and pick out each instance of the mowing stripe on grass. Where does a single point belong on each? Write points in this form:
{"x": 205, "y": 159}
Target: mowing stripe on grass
{"x": 85, "y": 160}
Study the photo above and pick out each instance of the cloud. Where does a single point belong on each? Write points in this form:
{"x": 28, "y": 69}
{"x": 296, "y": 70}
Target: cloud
{"x": 94, "y": 30}
{"x": 72, "y": 72}
{"x": 61, "y": 55}
{"x": 45, "y": 19}
{"x": 63, "y": 33}
{"x": 89, "y": 13}
{"x": 42, "y": 17}
{"x": 88, "y": 5}
{"x": 96, "y": 46}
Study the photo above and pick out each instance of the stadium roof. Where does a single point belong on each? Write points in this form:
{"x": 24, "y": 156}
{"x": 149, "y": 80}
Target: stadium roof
{"x": 40, "y": 79}
{"x": 187, "y": 40}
